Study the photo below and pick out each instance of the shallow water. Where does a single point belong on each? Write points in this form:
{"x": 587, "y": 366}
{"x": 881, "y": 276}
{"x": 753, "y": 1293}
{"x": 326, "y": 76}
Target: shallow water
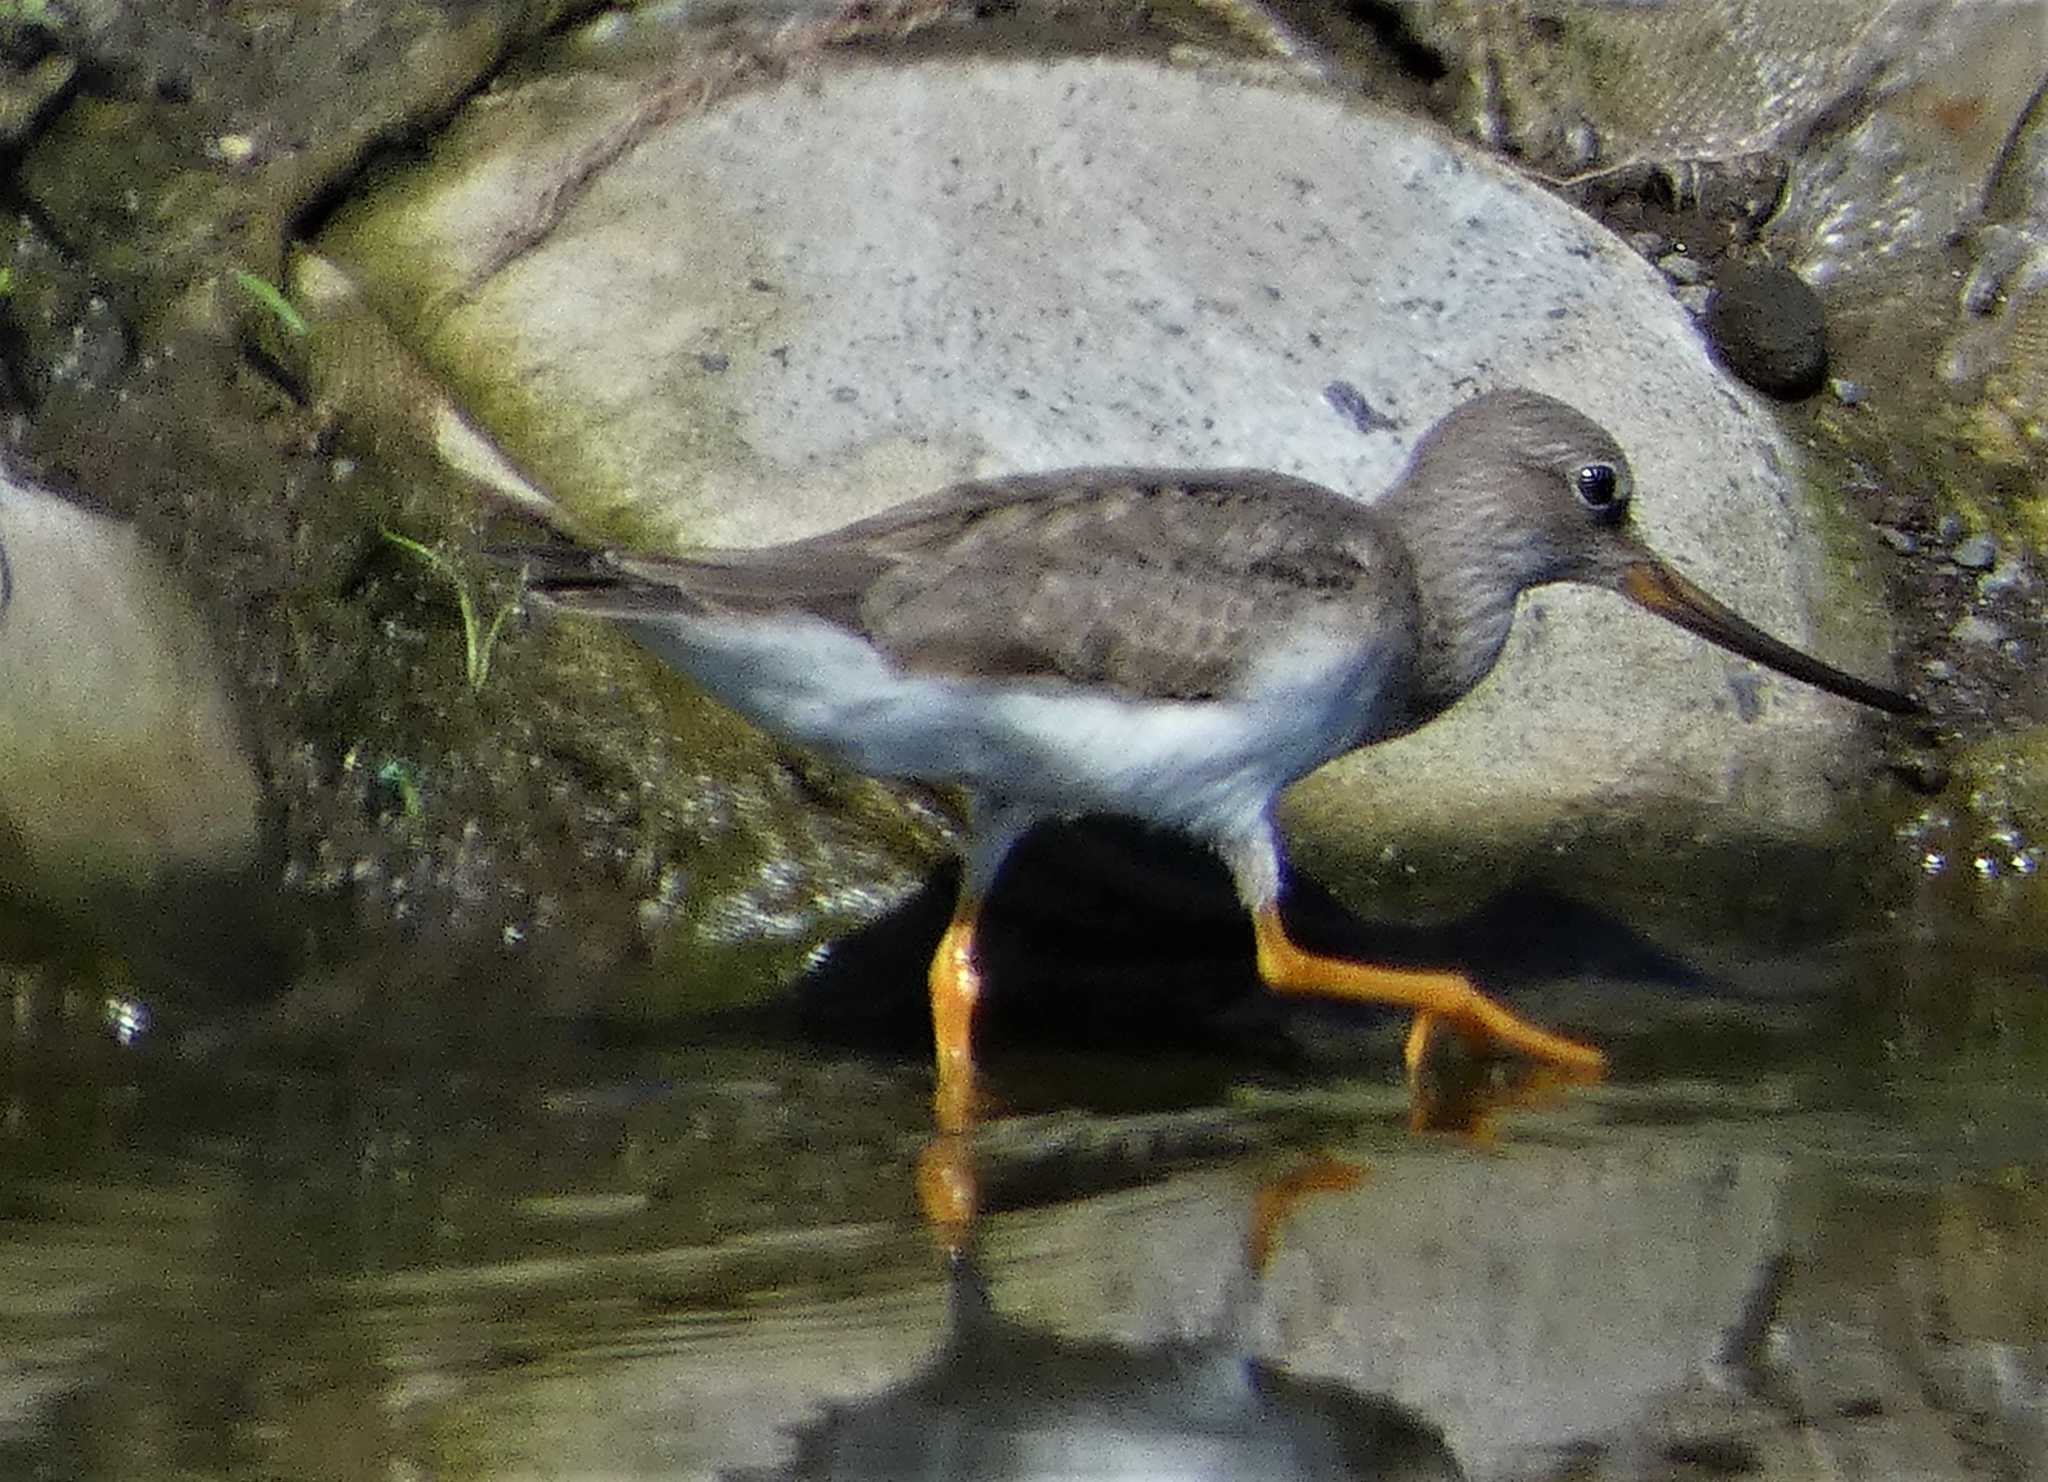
{"x": 1803, "y": 1242}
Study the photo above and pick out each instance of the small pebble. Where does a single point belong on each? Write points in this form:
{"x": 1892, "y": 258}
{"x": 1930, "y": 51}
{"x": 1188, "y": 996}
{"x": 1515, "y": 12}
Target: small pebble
{"x": 2011, "y": 574}
{"x": 1950, "y": 529}
{"x": 1975, "y": 554}
{"x": 1899, "y": 540}
{"x": 1682, "y": 268}
{"x": 232, "y": 149}
{"x": 1649, "y": 244}
{"x": 1849, "y": 393}
{"x": 1981, "y": 632}
{"x": 1940, "y": 670}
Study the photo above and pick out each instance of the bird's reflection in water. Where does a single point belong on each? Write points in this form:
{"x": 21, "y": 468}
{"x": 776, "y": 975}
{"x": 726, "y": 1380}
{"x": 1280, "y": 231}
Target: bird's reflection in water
{"x": 1004, "y": 1401}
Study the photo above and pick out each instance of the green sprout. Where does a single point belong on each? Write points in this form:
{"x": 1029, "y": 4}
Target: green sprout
{"x": 478, "y": 640}
{"x": 271, "y": 297}
{"x": 404, "y": 783}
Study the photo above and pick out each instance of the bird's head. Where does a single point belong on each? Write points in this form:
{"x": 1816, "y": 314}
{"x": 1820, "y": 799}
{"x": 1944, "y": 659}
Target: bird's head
{"x": 1533, "y": 491}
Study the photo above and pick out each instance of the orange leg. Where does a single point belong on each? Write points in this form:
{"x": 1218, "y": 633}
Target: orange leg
{"x": 1435, "y": 996}
{"x": 1416, "y": 1046}
{"x": 955, "y": 985}
{"x": 945, "y": 1171}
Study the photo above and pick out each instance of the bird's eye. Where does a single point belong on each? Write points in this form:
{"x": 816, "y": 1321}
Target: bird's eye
{"x": 1598, "y": 486}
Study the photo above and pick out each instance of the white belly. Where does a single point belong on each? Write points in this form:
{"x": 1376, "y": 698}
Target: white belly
{"x": 1208, "y": 767}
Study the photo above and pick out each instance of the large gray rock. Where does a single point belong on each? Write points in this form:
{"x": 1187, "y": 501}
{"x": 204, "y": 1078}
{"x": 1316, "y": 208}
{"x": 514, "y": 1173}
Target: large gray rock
{"x": 819, "y": 295}
{"x": 124, "y": 772}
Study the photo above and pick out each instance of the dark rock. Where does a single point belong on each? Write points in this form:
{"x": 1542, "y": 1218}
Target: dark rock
{"x": 1766, "y": 326}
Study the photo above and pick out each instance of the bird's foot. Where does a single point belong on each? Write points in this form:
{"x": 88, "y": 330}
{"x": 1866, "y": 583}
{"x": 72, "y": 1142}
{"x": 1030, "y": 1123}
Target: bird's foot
{"x": 1465, "y": 1091}
{"x": 1487, "y": 1028}
{"x": 1439, "y": 999}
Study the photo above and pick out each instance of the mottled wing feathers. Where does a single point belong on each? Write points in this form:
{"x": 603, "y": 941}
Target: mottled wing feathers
{"x": 1163, "y": 584}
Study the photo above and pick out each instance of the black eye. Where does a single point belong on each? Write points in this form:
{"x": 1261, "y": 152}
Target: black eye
{"x": 1598, "y": 486}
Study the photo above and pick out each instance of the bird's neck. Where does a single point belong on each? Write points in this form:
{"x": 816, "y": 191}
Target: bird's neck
{"x": 1464, "y": 628}
{"x": 1466, "y": 588}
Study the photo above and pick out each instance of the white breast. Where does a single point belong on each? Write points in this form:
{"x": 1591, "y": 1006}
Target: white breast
{"x": 1208, "y": 767}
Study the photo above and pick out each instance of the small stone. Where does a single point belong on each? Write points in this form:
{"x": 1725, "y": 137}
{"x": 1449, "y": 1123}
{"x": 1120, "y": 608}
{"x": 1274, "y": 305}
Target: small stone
{"x": 1766, "y": 325}
{"x": 1950, "y": 529}
{"x": 1649, "y": 244}
{"x": 232, "y": 149}
{"x": 1975, "y": 554}
{"x": 1902, "y": 541}
{"x": 1849, "y": 393}
{"x": 1682, "y": 268}
{"x": 1694, "y": 299}
{"x": 1979, "y": 632}
{"x": 2011, "y": 574}
{"x": 1939, "y": 670}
